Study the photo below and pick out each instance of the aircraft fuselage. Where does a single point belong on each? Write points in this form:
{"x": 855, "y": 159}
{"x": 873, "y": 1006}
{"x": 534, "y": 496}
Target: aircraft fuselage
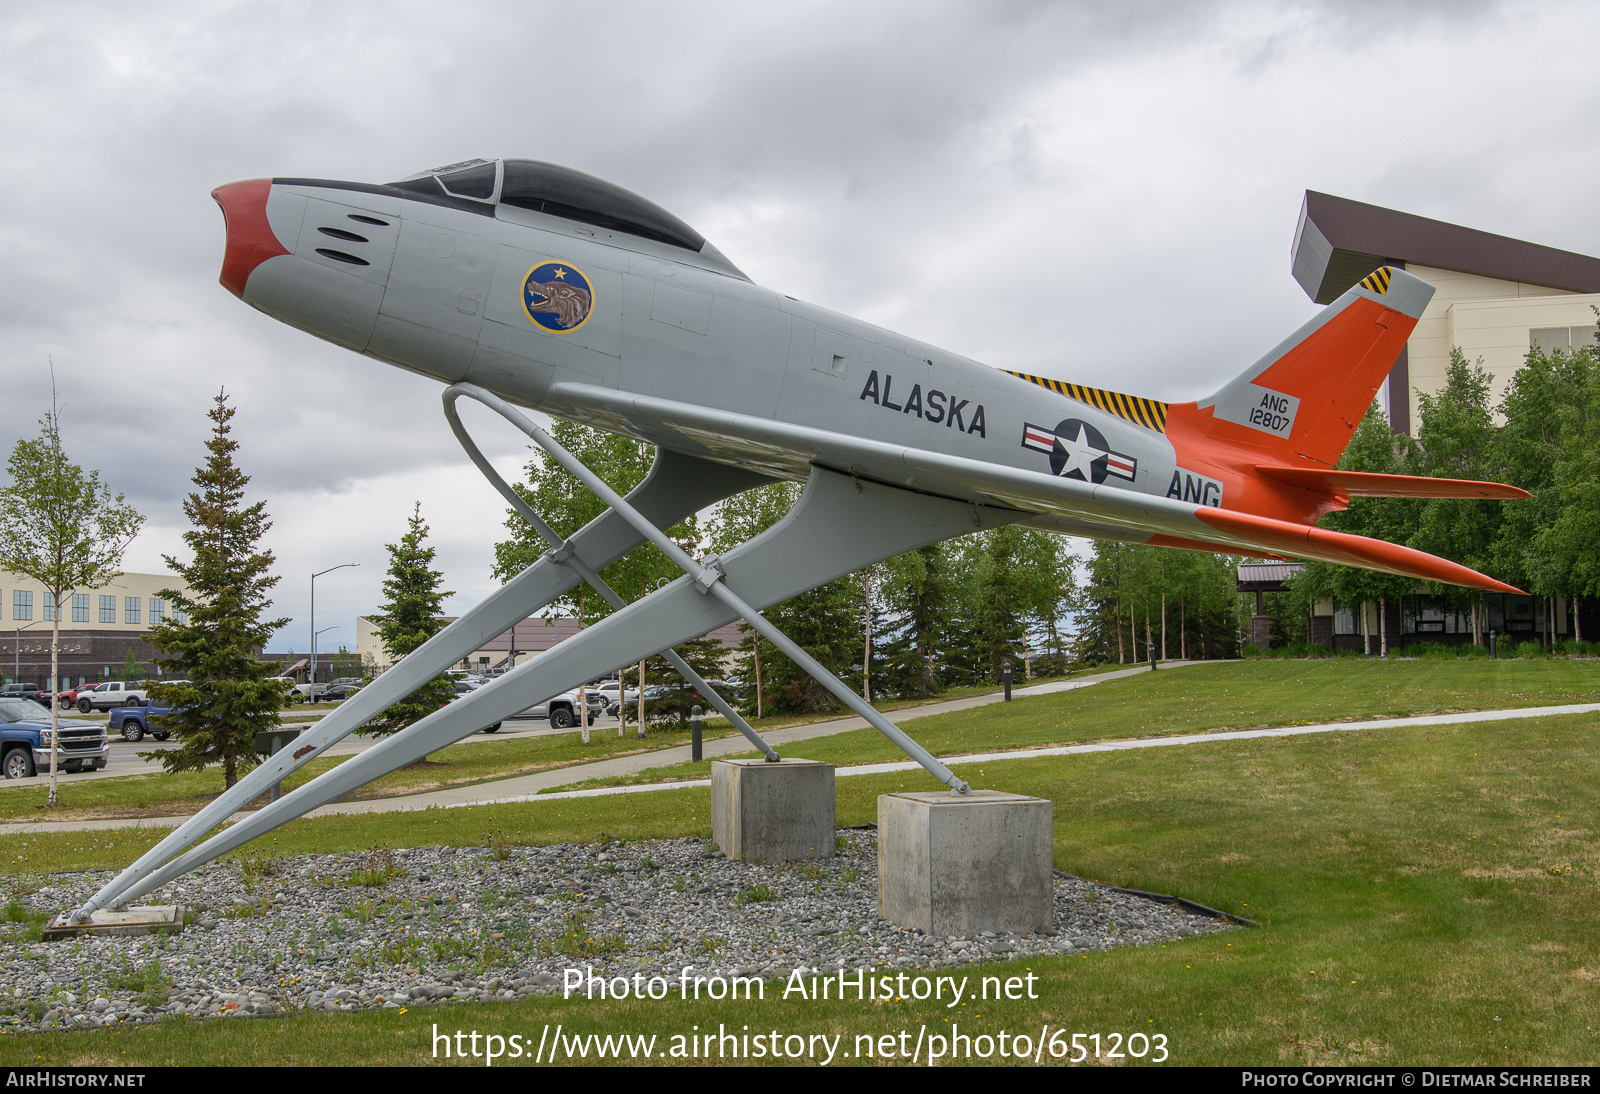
{"x": 443, "y": 289}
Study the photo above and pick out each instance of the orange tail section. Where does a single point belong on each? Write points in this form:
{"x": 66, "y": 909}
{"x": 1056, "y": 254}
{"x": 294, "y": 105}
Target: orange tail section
{"x": 1303, "y": 401}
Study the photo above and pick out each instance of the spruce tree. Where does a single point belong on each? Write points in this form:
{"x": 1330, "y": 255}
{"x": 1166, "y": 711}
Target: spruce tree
{"x": 410, "y": 618}
{"x": 228, "y": 694}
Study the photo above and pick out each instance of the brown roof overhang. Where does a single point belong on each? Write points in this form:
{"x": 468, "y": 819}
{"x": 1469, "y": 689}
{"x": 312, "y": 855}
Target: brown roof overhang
{"x": 1339, "y": 241}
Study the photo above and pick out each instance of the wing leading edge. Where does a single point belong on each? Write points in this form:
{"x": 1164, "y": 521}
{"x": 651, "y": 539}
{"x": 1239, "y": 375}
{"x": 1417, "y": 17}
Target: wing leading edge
{"x": 774, "y": 445}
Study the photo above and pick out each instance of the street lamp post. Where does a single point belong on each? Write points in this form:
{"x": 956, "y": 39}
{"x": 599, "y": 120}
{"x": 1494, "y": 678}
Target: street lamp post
{"x": 312, "y": 677}
{"x": 324, "y": 630}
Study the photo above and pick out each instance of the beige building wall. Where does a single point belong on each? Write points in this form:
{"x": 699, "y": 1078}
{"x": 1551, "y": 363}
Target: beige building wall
{"x": 130, "y": 591}
{"x": 1485, "y": 317}
{"x": 369, "y": 647}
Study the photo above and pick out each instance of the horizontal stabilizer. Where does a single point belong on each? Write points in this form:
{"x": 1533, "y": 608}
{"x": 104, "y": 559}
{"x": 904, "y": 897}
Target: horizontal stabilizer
{"x": 1325, "y": 546}
{"x": 1362, "y": 484}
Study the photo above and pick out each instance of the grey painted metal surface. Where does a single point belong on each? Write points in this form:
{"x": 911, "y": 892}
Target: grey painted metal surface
{"x": 676, "y": 487}
{"x": 558, "y": 548}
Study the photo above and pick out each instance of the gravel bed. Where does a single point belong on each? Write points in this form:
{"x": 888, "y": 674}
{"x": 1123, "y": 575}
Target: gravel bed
{"x": 427, "y": 924}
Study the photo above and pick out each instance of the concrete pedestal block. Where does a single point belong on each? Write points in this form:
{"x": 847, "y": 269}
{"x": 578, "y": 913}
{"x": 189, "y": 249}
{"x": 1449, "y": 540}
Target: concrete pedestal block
{"x": 772, "y": 812}
{"x": 139, "y": 919}
{"x": 956, "y": 865}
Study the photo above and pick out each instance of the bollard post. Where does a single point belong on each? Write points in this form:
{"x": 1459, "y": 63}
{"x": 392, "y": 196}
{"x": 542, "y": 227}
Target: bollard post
{"x": 1005, "y": 678}
{"x": 1494, "y": 647}
{"x": 277, "y": 787}
{"x": 696, "y": 716}
{"x": 268, "y": 743}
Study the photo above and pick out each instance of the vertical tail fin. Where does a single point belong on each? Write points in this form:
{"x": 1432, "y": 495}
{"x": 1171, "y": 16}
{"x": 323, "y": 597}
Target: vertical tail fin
{"x": 1304, "y": 399}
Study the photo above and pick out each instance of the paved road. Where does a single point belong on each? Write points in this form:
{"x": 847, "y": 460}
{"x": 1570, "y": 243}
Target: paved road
{"x": 125, "y": 759}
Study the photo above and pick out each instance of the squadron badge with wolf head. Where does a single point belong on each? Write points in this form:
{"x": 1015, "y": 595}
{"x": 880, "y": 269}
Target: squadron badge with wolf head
{"x": 557, "y": 296}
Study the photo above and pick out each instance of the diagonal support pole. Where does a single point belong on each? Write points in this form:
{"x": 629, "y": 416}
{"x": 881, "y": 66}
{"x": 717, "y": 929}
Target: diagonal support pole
{"x": 839, "y": 525}
{"x": 676, "y": 487}
{"x": 708, "y": 578}
{"x": 558, "y": 552}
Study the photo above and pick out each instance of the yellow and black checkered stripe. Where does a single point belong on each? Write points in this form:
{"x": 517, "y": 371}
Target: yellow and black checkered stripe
{"x": 1149, "y": 413}
{"x": 1378, "y": 280}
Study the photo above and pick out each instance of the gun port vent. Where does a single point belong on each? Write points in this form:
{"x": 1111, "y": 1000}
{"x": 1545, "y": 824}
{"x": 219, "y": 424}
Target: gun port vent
{"x": 340, "y": 256}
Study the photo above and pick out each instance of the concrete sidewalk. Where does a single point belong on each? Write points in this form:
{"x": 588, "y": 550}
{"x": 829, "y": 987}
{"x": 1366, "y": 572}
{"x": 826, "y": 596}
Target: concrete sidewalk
{"x": 526, "y": 786}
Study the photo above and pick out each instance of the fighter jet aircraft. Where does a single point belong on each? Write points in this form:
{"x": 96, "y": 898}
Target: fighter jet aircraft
{"x": 525, "y": 284}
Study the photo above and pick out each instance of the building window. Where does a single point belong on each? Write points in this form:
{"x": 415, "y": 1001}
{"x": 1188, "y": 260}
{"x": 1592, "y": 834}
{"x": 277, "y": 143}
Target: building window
{"x": 49, "y": 604}
{"x": 1345, "y": 622}
{"x": 80, "y": 607}
{"x": 158, "y": 610}
{"x": 21, "y": 604}
{"x": 108, "y": 609}
{"x": 180, "y": 617}
{"x": 1551, "y": 339}
{"x": 130, "y": 609}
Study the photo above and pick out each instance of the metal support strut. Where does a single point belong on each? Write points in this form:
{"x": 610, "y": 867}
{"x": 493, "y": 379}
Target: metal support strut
{"x": 562, "y": 554}
{"x": 707, "y": 575}
{"x": 675, "y": 487}
{"x": 837, "y": 527}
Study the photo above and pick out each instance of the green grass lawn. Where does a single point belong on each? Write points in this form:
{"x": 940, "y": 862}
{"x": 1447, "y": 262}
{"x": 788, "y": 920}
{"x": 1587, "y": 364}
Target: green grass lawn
{"x": 1231, "y": 695}
{"x": 1428, "y": 895}
{"x": 1221, "y": 696}
{"x": 161, "y": 794}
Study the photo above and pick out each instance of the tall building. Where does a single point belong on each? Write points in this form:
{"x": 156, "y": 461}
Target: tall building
{"x": 1495, "y": 297}
{"x": 99, "y": 627}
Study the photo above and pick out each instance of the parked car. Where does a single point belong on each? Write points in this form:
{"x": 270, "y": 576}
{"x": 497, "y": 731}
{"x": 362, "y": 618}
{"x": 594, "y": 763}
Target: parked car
{"x": 112, "y": 693}
{"x": 341, "y": 690}
{"x": 300, "y": 693}
{"x": 612, "y": 689}
{"x": 25, "y": 741}
{"x": 134, "y": 722}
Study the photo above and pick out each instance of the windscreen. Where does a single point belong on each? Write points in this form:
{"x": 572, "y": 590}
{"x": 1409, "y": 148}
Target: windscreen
{"x": 573, "y": 195}
{"x": 22, "y": 710}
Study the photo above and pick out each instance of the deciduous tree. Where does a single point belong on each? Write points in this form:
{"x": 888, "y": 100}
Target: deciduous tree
{"x": 65, "y": 529}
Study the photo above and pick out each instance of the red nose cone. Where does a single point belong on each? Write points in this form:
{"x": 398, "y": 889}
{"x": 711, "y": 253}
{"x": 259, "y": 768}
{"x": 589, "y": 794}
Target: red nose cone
{"x": 250, "y": 238}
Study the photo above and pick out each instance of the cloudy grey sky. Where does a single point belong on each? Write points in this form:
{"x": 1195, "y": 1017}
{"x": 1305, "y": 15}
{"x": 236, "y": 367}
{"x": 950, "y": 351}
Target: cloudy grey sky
{"x": 1099, "y": 192}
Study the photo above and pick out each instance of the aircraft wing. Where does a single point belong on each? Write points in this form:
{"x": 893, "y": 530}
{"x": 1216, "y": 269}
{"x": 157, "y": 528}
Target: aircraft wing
{"x": 788, "y": 449}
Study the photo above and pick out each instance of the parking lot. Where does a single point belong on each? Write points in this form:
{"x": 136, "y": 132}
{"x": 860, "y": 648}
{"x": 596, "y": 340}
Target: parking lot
{"x": 125, "y": 758}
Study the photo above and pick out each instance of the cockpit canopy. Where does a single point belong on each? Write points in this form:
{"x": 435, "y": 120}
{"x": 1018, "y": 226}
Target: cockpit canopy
{"x": 557, "y": 191}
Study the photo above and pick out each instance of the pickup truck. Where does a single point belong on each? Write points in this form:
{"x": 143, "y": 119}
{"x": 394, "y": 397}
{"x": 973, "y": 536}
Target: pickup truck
{"x": 134, "y": 722}
{"x": 25, "y": 741}
{"x": 25, "y": 691}
{"x": 112, "y": 693}
{"x": 562, "y": 710}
